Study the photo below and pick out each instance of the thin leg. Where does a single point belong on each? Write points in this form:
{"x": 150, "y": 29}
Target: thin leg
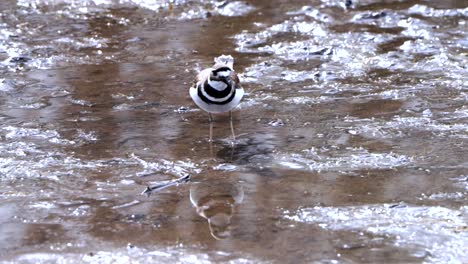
{"x": 232, "y": 128}
{"x": 211, "y": 127}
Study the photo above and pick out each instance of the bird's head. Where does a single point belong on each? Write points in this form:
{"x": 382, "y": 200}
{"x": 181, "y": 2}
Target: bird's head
{"x": 224, "y": 60}
{"x": 222, "y": 72}
{"x": 223, "y": 67}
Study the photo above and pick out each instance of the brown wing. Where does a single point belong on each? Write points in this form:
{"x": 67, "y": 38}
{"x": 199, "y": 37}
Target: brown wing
{"x": 233, "y": 76}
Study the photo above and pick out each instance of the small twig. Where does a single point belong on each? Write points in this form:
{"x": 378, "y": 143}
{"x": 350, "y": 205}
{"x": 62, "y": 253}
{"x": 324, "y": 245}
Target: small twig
{"x": 150, "y": 189}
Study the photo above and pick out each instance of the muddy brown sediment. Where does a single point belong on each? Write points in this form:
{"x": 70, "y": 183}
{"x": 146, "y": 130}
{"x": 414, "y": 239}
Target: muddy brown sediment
{"x": 351, "y": 137}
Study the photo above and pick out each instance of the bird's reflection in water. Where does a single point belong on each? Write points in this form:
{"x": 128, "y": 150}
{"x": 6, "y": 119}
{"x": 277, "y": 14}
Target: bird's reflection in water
{"x": 215, "y": 200}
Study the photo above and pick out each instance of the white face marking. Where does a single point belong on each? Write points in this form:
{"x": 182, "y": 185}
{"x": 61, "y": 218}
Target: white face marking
{"x": 223, "y": 73}
{"x": 218, "y": 85}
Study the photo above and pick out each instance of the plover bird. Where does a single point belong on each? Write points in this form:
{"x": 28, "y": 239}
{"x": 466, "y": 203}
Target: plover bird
{"x": 218, "y": 90}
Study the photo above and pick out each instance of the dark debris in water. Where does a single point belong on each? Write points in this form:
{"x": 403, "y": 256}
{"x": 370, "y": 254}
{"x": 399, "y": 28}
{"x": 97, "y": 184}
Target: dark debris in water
{"x": 276, "y": 123}
{"x": 20, "y": 59}
{"x": 158, "y": 187}
{"x": 373, "y": 15}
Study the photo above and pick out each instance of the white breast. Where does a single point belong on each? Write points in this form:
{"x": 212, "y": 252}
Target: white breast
{"x": 218, "y": 85}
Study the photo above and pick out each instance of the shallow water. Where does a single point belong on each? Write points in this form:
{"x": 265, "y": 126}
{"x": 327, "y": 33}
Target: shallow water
{"x": 352, "y": 136}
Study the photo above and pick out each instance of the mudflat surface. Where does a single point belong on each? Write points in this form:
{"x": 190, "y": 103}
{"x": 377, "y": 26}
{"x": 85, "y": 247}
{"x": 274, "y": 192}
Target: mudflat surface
{"x": 352, "y": 135}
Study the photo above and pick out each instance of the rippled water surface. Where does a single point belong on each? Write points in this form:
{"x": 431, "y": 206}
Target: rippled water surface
{"x": 352, "y": 135}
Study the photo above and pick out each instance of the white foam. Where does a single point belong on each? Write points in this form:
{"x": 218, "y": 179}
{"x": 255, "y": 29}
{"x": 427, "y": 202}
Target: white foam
{"x": 437, "y": 230}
